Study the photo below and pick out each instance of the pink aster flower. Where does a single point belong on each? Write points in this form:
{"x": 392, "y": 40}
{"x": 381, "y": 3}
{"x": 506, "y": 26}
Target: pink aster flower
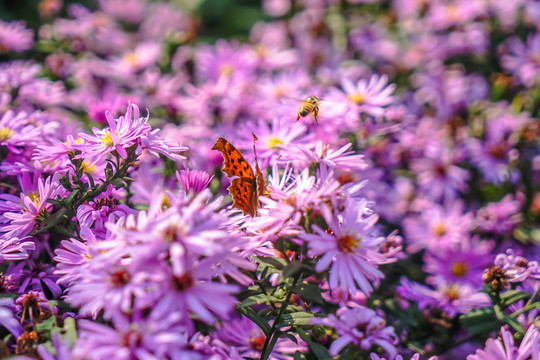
{"x": 8, "y": 318}
{"x": 499, "y": 217}
{"x": 103, "y": 208}
{"x": 399, "y": 357}
{"x": 13, "y": 248}
{"x": 15, "y": 36}
{"x": 126, "y": 131}
{"x": 361, "y": 327}
{"x": 243, "y": 337}
{"x": 24, "y": 215}
{"x": 144, "y": 55}
{"x": 194, "y": 180}
{"x": 504, "y": 348}
{"x": 522, "y": 59}
{"x": 463, "y": 262}
{"x": 452, "y": 298}
{"x": 136, "y": 337}
{"x": 367, "y": 96}
{"x": 437, "y": 226}
{"x": 303, "y": 156}
{"x": 517, "y": 268}
{"x": 73, "y": 255}
{"x": 349, "y": 247}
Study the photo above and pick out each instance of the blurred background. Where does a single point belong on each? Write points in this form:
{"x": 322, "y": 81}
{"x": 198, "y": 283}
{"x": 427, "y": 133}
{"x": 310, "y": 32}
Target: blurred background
{"x": 218, "y": 18}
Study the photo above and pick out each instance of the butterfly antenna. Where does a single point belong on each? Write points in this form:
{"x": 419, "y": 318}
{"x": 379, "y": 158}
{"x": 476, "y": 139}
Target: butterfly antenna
{"x": 254, "y": 150}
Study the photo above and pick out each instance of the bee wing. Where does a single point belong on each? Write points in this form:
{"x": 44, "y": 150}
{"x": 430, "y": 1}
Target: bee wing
{"x": 294, "y": 99}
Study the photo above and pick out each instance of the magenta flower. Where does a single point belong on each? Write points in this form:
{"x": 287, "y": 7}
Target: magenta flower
{"x": 136, "y": 337}
{"x": 242, "y": 337}
{"x": 15, "y": 36}
{"x": 517, "y": 268}
{"x": 349, "y": 247}
{"x": 367, "y": 96}
{"x": 103, "y": 208}
{"x": 8, "y": 318}
{"x": 24, "y": 215}
{"x": 462, "y": 263}
{"x": 194, "y": 180}
{"x": 522, "y": 60}
{"x": 399, "y": 357}
{"x": 504, "y": 348}
{"x": 499, "y": 217}
{"x": 126, "y": 131}
{"x": 361, "y": 327}
{"x": 14, "y": 248}
{"x": 437, "y": 226}
{"x": 452, "y": 298}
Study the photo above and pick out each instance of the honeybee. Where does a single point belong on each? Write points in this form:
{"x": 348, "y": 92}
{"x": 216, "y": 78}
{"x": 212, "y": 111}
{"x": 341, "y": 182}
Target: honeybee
{"x": 309, "y": 105}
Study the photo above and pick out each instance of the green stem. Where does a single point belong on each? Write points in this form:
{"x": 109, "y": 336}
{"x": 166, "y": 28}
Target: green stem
{"x": 267, "y": 349}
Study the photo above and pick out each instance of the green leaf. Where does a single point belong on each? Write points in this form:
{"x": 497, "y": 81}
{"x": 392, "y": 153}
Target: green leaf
{"x": 320, "y": 352}
{"x": 309, "y": 292}
{"x": 253, "y": 316}
{"x": 479, "y": 321}
{"x": 300, "y": 318}
{"x": 274, "y": 262}
{"x": 299, "y": 356}
{"x": 512, "y": 296}
{"x": 293, "y": 268}
{"x": 260, "y": 299}
{"x": 290, "y": 336}
{"x": 304, "y": 335}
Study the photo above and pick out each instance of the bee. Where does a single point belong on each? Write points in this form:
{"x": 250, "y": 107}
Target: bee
{"x": 309, "y": 105}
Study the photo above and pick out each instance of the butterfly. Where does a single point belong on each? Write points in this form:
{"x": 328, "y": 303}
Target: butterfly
{"x": 246, "y": 186}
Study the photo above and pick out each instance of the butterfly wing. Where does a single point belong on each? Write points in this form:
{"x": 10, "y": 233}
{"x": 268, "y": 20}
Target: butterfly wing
{"x": 234, "y": 163}
{"x": 243, "y": 187}
{"x": 244, "y": 194}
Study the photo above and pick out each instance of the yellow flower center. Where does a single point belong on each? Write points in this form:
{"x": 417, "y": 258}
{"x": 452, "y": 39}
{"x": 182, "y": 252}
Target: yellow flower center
{"x": 347, "y": 243}
{"x": 5, "y": 133}
{"x": 452, "y": 292}
{"x": 131, "y": 58}
{"x": 34, "y": 196}
{"x": 357, "y": 98}
{"x": 87, "y": 168}
{"x": 274, "y": 142}
{"x": 107, "y": 139}
{"x": 226, "y": 69}
{"x": 459, "y": 269}
{"x": 439, "y": 229}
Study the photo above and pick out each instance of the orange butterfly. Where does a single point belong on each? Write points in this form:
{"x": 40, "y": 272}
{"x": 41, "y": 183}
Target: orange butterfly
{"x": 246, "y": 187}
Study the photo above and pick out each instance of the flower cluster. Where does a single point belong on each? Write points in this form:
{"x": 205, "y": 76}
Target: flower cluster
{"x": 395, "y": 216}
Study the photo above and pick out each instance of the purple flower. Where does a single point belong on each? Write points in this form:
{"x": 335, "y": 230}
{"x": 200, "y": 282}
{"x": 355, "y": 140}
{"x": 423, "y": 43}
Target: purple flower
{"x": 367, "y": 96}
{"x": 108, "y": 282}
{"x": 399, "y": 357}
{"x": 505, "y": 348}
{"x": 194, "y": 180}
{"x": 517, "y": 268}
{"x": 462, "y": 263}
{"x": 23, "y": 216}
{"x": 137, "y": 337}
{"x": 452, "y": 298}
{"x": 39, "y": 277}
{"x": 8, "y": 318}
{"x": 15, "y": 36}
{"x": 14, "y": 248}
{"x": 242, "y": 337}
{"x": 103, "y": 208}
{"x": 522, "y": 59}
{"x": 303, "y": 156}
{"x": 349, "y": 247}
{"x": 499, "y": 217}
{"x": 361, "y": 327}
{"x": 126, "y": 131}
{"x": 437, "y": 226}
